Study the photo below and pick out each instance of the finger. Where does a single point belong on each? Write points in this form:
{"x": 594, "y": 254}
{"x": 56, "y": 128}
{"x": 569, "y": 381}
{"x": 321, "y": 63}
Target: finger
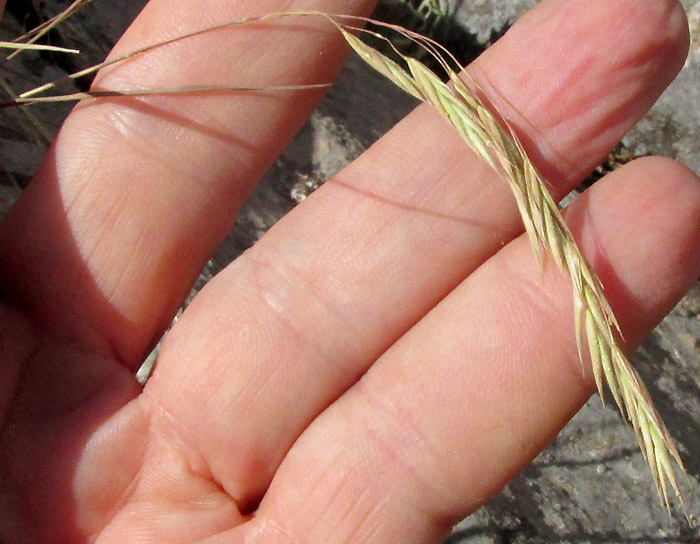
{"x": 136, "y": 193}
{"x": 295, "y": 321}
{"x": 472, "y": 393}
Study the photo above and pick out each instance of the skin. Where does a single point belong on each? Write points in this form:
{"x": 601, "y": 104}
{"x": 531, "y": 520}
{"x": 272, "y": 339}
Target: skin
{"x": 387, "y": 357}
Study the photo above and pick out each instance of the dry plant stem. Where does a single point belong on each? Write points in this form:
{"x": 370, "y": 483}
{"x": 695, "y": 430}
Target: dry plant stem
{"x": 37, "y": 33}
{"x": 25, "y": 97}
{"x": 596, "y": 326}
{"x": 131, "y": 54}
{"x": 162, "y": 91}
{"x": 35, "y": 47}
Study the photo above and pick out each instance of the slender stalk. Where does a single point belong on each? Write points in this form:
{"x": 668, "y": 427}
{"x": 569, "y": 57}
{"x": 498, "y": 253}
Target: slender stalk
{"x": 37, "y": 33}
{"x": 36, "y": 47}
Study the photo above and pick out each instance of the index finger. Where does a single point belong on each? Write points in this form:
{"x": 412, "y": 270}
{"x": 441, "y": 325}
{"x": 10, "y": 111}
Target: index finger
{"x": 135, "y": 194}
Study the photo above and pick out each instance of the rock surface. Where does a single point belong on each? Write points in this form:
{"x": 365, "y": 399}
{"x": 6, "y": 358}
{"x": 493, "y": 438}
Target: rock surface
{"x": 591, "y": 484}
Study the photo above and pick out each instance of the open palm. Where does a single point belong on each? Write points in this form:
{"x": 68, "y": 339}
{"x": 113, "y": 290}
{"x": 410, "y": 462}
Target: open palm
{"x": 387, "y": 357}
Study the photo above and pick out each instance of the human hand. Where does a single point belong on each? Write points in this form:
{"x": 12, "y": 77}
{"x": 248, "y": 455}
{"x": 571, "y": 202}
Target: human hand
{"x": 378, "y": 365}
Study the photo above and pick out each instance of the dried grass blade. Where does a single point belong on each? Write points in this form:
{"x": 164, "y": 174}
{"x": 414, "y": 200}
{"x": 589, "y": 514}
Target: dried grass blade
{"x": 36, "y": 47}
{"x": 35, "y": 34}
{"x": 71, "y": 97}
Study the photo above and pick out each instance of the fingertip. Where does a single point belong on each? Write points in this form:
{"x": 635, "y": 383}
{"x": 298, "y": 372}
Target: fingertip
{"x": 663, "y": 200}
{"x": 676, "y": 192}
{"x": 678, "y": 29}
{"x": 662, "y": 22}
{"x": 662, "y": 29}
{"x": 639, "y": 228}
{"x": 593, "y": 69}
{"x": 671, "y": 176}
